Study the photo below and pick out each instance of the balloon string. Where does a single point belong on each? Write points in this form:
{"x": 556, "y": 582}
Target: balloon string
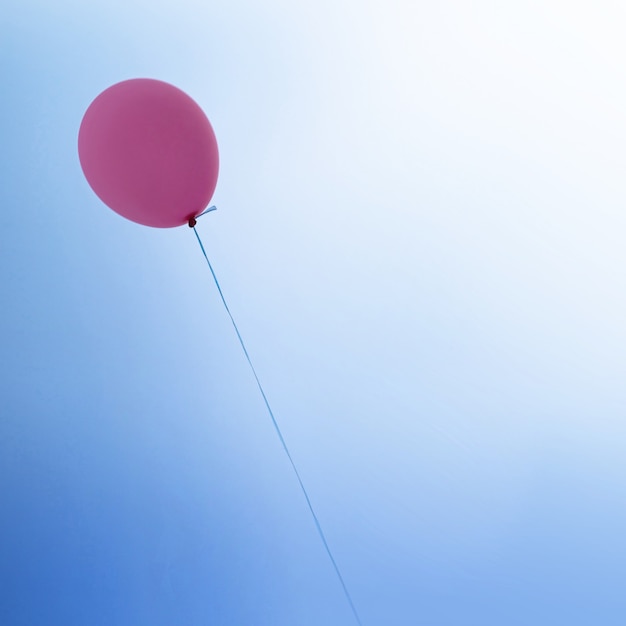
{"x": 280, "y": 436}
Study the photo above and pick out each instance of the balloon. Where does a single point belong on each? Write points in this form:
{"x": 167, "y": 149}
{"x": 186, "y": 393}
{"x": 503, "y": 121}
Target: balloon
{"x": 149, "y": 152}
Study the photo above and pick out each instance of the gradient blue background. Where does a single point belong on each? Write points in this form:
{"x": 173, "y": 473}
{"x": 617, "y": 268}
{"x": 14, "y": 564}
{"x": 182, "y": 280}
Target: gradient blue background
{"x": 421, "y": 234}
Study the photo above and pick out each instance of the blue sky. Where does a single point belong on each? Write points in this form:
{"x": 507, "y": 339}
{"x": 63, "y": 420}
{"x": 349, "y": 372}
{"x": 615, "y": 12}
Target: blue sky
{"x": 420, "y": 232}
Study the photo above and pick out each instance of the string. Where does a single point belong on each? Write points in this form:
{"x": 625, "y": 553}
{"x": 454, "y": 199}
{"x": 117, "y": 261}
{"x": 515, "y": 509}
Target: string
{"x": 280, "y": 434}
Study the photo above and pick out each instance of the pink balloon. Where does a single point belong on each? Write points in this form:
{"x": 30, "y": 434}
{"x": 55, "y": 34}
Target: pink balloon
{"x": 149, "y": 152}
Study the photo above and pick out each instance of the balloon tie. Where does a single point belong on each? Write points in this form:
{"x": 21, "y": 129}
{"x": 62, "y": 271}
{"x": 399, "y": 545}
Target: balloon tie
{"x": 193, "y": 220}
{"x": 277, "y": 428}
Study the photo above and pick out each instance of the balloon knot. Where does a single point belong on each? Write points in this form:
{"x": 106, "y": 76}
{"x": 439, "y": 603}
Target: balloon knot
{"x": 192, "y": 222}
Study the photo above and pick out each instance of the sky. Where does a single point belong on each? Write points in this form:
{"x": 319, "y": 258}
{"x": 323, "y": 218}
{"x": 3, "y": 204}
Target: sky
{"x": 420, "y": 233}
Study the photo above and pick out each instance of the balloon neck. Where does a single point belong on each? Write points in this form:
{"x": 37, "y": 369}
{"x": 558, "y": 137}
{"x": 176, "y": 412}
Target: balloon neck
{"x": 192, "y": 220}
